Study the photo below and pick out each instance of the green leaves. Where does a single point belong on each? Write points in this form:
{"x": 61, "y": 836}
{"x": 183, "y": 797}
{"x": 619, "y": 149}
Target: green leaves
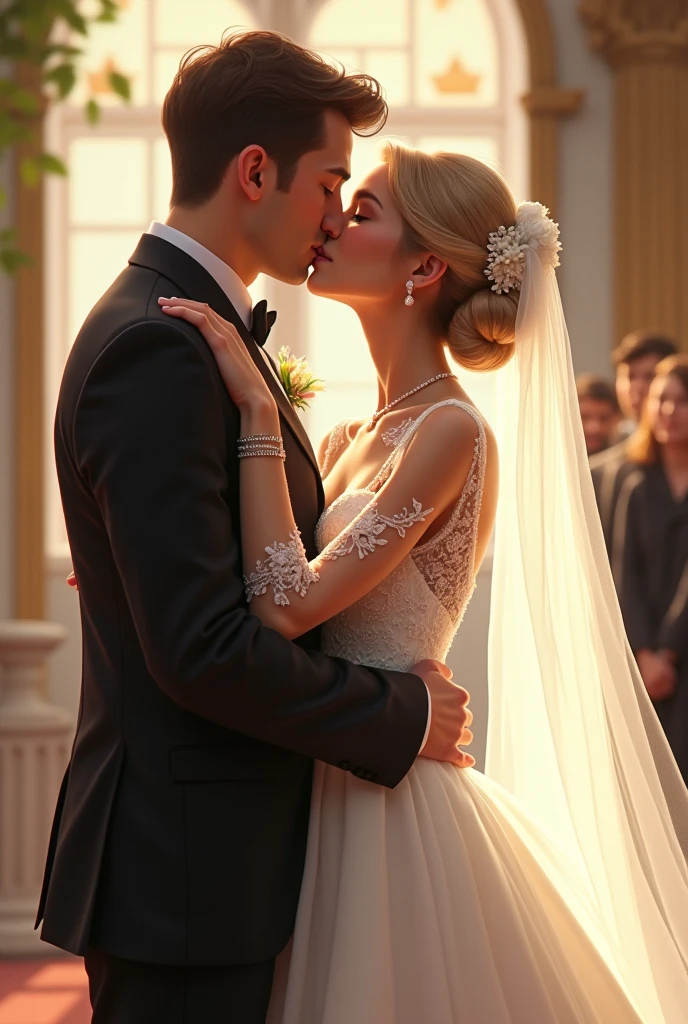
{"x": 11, "y": 258}
{"x": 51, "y": 164}
{"x": 28, "y": 29}
{"x": 64, "y": 77}
{"x": 29, "y": 172}
{"x": 31, "y": 168}
{"x": 60, "y": 50}
{"x": 109, "y": 11}
{"x": 120, "y": 85}
{"x": 92, "y": 112}
{"x": 22, "y": 100}
{"x": 68, "y": 12}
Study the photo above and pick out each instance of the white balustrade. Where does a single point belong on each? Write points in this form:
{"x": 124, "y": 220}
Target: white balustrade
{"x": 35, "y": 740}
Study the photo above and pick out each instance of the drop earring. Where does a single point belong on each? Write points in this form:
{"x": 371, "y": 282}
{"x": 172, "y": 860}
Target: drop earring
{"x": 409, "y": 300}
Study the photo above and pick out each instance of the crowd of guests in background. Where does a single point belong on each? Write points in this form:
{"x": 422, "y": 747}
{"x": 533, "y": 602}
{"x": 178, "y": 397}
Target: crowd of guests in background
{"x": 636, "y": 433}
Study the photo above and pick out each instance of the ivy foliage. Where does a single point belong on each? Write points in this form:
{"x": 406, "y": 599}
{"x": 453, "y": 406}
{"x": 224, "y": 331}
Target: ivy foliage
{"x": 33, "y": 34}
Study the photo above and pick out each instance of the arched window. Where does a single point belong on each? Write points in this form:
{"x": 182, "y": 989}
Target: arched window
{"x": 453, "y": 70}
{"x": 119, "y": 171}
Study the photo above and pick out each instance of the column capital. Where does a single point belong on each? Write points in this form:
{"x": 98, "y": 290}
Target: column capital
{"x": 553, "y": 100}
{"x": 637, "y": 31}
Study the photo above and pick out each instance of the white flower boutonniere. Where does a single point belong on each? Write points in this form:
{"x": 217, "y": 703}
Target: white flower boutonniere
{"x": 299, "y": 383}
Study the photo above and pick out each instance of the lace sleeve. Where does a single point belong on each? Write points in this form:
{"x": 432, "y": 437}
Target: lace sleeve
{"x": 363, "y": 536}
{"x": 285, "y": 568}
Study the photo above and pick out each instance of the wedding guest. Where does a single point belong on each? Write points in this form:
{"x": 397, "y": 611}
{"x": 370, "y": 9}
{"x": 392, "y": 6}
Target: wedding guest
{"x": 635, "y": 360}
{"x": 654, "y": 584}
{"x": 600, "y": 412}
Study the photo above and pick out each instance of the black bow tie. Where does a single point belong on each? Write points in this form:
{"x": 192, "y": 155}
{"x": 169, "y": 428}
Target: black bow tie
{"x": 262, "y": 321}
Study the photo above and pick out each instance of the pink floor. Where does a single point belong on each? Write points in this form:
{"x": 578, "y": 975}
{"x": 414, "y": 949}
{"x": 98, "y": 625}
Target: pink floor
{"x": 43, "y": 992}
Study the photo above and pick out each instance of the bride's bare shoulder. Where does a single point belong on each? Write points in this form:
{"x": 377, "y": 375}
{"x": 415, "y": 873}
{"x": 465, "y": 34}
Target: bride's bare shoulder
{"x": 452, "y": 431}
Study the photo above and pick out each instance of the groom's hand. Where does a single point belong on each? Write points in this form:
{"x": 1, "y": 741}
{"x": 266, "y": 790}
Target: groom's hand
{"x": 450, "y": 716}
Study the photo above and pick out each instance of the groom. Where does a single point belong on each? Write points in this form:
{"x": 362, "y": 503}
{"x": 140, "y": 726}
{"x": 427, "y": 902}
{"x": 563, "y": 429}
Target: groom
{"x": 178, "y": 843}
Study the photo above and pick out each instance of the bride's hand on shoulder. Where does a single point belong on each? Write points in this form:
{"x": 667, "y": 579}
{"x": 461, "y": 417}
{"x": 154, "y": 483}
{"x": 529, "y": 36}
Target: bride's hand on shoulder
{"x": 241, "y": 376}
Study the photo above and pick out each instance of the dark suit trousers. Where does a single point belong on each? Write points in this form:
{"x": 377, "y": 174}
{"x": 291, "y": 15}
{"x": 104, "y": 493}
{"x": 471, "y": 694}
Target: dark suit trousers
{"x": 129, "y": 992}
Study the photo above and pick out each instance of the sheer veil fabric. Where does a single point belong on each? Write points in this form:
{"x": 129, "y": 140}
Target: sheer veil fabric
{"x": 572, "y": 733}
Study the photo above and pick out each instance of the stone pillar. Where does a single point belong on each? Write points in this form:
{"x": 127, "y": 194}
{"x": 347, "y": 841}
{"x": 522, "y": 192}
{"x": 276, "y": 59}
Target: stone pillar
{"x": 29, "y": 391}
{"x": 546, "y": 106}
{"x": 35, "y": 740}
{"x": 646, "y": 43}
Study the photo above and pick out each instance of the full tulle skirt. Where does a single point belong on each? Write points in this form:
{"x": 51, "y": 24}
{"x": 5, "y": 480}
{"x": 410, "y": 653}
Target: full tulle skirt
{"x": 439, "y": 902}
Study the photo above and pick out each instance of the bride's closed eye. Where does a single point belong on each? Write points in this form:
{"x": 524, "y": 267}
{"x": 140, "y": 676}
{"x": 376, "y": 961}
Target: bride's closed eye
{"x": 358, "y": 217}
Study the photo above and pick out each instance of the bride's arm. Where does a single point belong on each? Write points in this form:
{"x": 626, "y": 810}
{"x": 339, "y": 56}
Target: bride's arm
{"x": 287, "y": 592}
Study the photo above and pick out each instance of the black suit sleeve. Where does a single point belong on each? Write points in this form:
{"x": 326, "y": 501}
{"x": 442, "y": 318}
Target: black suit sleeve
{"x": 633, "y": 596}
{"x": 673, "y": 633}
{"x": 150, "y": 442}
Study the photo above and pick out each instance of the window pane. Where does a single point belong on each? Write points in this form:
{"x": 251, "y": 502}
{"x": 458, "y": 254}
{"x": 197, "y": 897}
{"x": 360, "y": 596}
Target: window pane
{"x": 165, "y": 67}
{"x": 351, "y": 59}
{"x": 180, "y": 23}
{"x": 96, "y": 258}
{"x": 120, "y": 45}
{"x": 361, "y": 23}
{"x": 457, "y": 54}
{"x": 365, "y": 155}
{"x": 108, "y": 181}
{"x": 392, "y": 69}
{"x": 480, "y": 147}
{"x": 480, "y": 387}
{"x": 339, "y": 403}
{"x": 338, "y": 350}
{"x": 162, "y": 179}
{"x": 259, "y": 289}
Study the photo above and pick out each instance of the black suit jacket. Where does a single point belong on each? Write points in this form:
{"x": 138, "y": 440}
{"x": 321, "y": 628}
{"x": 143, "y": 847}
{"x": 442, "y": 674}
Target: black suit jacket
{"x": 180, "y": 830}
{"x": 614, "y": 477}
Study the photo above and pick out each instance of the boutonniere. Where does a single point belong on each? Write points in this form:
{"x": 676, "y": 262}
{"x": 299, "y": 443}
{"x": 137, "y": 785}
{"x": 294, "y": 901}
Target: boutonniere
{"x": 297, "y": 380}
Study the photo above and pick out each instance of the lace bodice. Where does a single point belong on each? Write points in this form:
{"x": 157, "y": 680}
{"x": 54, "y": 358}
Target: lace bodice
{"x": 415, "y": 612}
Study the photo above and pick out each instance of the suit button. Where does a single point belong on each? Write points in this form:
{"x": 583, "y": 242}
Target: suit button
{"x": 359, "y": 772}
{"x": 368, "y": 775}
{"x": 345, "y": 765}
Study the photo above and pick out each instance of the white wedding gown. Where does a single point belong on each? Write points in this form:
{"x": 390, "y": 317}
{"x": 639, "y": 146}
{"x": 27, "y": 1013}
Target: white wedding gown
{"x": 435, "y": 902}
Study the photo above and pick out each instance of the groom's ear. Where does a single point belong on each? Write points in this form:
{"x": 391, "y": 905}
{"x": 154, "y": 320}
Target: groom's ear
{"x": 254, "y": 169}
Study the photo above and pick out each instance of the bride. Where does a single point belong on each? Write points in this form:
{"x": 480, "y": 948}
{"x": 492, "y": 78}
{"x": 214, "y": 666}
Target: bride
{"x": 553, "y": 889}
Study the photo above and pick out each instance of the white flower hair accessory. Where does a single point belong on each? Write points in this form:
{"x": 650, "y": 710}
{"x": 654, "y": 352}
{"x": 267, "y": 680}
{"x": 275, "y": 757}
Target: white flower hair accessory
{"x": 533, "y": 229}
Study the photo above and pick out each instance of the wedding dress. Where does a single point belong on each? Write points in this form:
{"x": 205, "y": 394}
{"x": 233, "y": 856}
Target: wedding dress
{"x": 441, "y": 901}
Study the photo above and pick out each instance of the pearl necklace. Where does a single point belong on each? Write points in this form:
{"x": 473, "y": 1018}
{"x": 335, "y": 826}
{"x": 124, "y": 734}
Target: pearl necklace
{"x": 390, "y": 405}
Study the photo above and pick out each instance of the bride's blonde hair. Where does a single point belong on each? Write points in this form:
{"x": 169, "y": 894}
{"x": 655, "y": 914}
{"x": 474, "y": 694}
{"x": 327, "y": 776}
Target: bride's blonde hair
{"x": 450, "y": 203}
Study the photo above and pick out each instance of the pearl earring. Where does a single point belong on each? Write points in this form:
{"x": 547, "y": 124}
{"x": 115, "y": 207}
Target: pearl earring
{"x": 409, "y": 300}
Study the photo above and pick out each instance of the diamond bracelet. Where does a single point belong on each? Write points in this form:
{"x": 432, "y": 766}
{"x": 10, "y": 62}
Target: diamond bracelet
{"x": 261, "y": 444}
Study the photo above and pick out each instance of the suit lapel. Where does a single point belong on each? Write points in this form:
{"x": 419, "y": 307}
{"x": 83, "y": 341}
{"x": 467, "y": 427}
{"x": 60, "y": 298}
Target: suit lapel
{"x": 192, "y": 281}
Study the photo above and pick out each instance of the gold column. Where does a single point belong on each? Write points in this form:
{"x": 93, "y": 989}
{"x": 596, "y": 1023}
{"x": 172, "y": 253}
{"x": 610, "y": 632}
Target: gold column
{"x": 29, "y": 384}
{"x": 545, "y": 102}
{"x": 646, "y": 43}
{"x": 546, "y": 105}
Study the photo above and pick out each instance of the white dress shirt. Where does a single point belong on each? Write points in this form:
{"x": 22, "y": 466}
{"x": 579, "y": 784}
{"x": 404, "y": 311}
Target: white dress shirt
{"x": 229, "y": 281}
{"x": 237, "y": 293}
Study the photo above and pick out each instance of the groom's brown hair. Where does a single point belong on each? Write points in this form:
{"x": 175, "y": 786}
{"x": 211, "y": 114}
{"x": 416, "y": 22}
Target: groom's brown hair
{"x": 257, "y": 88}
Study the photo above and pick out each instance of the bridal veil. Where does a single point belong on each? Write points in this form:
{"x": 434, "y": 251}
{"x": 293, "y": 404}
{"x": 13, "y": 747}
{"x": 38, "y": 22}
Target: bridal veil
{"x": 572, "y": 732}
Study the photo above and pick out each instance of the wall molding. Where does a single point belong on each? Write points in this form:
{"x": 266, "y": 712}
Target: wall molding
{"x": 546, "y": 102}
{"x": 647, "y": 46}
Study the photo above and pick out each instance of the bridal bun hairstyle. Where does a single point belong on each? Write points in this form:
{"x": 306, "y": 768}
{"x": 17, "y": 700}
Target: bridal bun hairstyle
{"x": 450, "y": 203}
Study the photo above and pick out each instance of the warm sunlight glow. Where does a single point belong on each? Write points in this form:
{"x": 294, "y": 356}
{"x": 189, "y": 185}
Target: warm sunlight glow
{"x": 443, "y": 74}
{"x": 426, "y": 54}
